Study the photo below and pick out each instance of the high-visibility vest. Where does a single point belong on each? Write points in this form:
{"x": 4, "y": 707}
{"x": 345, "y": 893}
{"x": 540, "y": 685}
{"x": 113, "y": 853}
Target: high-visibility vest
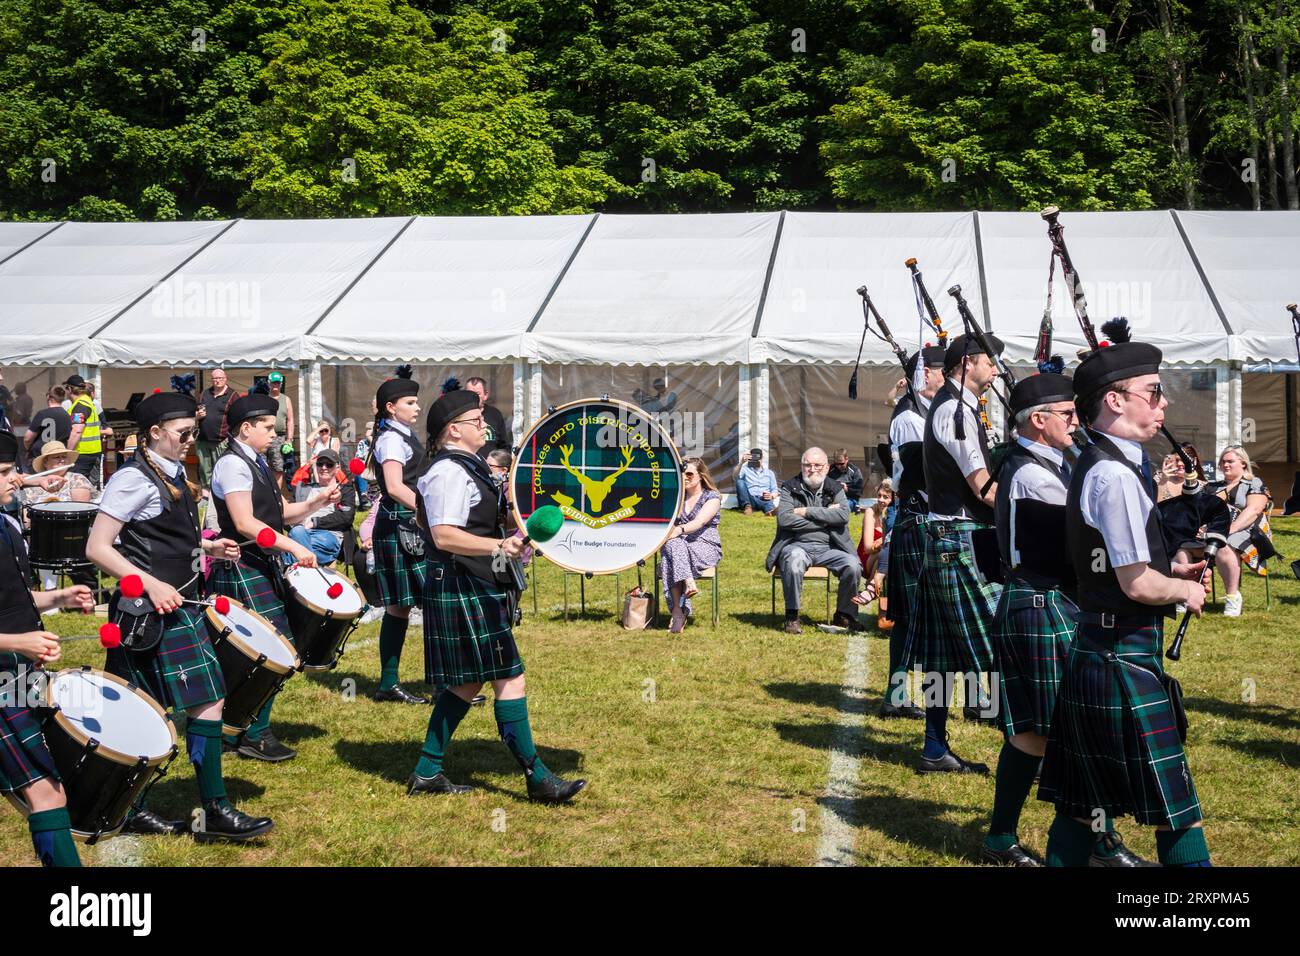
{"x": 83, "y": 413}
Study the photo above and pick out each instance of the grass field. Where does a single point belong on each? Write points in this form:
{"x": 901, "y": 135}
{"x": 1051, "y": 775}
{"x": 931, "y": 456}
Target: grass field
{"x": 709, "y": 747}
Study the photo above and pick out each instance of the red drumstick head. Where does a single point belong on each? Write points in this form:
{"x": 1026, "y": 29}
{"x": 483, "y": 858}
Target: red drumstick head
{"x": 266, "y": 538}
{"x": 157, "y": 391}
{"x": 110, "y": 635}
{"x": 132, "y": 586}
{"x": 222, "y": 604}
{"x": 334, "y": 590}
{"x": 356, "y": 466}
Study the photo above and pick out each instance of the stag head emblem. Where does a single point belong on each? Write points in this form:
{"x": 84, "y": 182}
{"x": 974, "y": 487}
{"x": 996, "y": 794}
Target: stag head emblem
{"x": 596, "y": 490}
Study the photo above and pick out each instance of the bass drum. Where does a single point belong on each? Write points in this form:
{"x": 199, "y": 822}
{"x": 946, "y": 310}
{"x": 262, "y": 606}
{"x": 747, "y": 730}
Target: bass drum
{"x": 321, "y": 624}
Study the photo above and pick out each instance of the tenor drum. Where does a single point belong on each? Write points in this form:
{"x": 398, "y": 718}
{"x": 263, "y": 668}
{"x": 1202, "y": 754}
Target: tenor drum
{"x": 255, "y": 662}
{"x": 60, "y": 530}
{"x": 321, "y": 624}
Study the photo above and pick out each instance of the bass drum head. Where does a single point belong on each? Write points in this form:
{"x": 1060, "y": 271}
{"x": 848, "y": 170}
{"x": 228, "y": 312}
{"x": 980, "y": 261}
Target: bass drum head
{"x": 66, "y": 510}
{"x": 128, "y": 723}
{"x": 308, "y": 587}
{"x": 257, "y": 635}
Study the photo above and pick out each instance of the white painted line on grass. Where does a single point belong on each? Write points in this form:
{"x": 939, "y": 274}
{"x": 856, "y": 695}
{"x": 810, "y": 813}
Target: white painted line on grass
{"x": 835, "y": 848}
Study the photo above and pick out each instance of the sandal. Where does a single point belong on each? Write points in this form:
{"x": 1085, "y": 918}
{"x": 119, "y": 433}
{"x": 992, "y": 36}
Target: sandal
{"x": 865, "y": 596}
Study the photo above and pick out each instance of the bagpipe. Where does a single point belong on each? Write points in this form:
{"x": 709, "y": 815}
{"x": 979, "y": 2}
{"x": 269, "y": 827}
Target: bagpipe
{"x": 868, "y": 310}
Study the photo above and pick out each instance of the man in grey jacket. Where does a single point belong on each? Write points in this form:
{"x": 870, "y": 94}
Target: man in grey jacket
{"x": 812, "y": 530}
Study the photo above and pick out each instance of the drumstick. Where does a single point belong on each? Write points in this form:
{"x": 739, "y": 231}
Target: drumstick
{"x": 221, "y": 603}
{"x": 265, "y": 539}
{"x": 333, "y": 589}
{"x": 48, "y": 471}
{"x": 110, "y": 635}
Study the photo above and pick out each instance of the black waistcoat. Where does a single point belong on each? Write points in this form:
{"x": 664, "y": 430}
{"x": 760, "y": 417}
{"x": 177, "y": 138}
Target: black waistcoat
{"x": 484, "y": 517}
{"x": 167, "y": 546}
{"x": 18, "y": 612}
{"x": 1039, "y": 528}
{"x": 412, "y": 470}
{"x": 268, "y": 508}
{"x": 945, "y": 485}
{"x": 911, "y": 458}
{"x": 1099, "y": 590}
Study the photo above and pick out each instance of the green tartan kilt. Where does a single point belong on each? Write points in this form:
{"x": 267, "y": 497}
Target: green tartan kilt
{"x": 400, "y": 576}
{"x": 1114, "y": 742}
{"x": 953, "y": 623}
{"x": 181, "y": 671}
{"x": 1031, "y": 640}
{"x": 24, "y": 758}
{"x": 467, "y": 635}
{"x": 903, "y": 574}
{"x": 253, "y": 589}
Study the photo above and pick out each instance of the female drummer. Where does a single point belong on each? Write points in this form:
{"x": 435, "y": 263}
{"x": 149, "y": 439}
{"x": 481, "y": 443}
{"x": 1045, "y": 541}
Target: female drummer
{"x": 248, "y": 501}
{"x": 467, "y": 614}
{"x": 396, "y": 544}
{"x": 154, "y": 509}
{"x": 26, "y": 768}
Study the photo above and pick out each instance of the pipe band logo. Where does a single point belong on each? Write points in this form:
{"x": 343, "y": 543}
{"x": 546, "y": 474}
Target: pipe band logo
{"x": 613, "y": 473}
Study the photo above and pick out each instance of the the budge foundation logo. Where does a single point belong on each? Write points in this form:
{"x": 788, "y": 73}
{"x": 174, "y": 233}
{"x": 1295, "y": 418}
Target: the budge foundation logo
{"x": 613, "y": 472}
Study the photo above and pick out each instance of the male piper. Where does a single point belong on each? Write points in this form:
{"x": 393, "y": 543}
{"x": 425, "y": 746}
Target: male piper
{"x": 1114, "y": 746}
{"x": 955, "y": 605}
{"x": 907, "y": 539}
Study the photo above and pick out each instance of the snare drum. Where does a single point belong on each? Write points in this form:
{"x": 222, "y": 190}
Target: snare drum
{"x": 255, "y": 662}
{"x": 109, "y": 740}
{"x": 59, "y": 533}
{"x": 321, "y": 624}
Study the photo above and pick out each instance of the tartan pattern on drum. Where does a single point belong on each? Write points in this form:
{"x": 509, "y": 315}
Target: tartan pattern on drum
{"x": 24, "y": 758}
{"x": 1114, "y": 743}
{"x": 181, "y": 671}
{"x": 1030, "y": 647}
{"x": 953, "y": 622}
{"x": 903, "y": 573}
{"x": 400, "y": 577}
{"x": 467, "y": 636}
{"x": 253, "y": 589}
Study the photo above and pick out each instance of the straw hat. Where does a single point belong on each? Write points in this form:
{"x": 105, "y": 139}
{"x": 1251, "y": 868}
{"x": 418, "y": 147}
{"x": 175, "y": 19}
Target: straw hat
{"x": 49, "y": 450}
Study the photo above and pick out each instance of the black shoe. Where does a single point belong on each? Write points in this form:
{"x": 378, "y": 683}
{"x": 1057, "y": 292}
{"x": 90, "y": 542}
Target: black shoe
{"x": 980, "y": 714}
{"x": 438, "y": 783}
{"x": 1014, "y": 855}
{"x": 554, "y": 789}
{"x": 399, "y": 695}
{"x": 265, "y": 747}
{"x": 222, "y": 822}
{"x": 147, "y": 823}
{"x": 951, "y": 763}
{"x": 906, "y": 709}
{"x": 1120, "y": 854}
{"x": 848, "y": 621}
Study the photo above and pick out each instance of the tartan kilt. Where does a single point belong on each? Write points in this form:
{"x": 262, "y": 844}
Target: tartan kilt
{"x": 903, "y": 572}
{"x": 1114, "y": 742}
{"x": 1030, "y": 647}
{"x": 400, "y": 576}
{"x": 465, "y": 620}
{"x": 253, "y": 589}
{"x": 181, "y": 670}
{"x": 953, "y": 621}
{"x": 24, "y": 758}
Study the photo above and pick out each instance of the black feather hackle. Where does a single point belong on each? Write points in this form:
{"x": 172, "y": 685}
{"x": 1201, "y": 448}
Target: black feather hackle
{"x": 1117, "y": 330}
{"x": 403, "y": 371}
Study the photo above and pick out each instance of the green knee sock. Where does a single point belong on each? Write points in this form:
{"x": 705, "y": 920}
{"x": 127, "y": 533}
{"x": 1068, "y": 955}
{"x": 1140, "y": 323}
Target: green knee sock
{"x": 203, "y": 743}
{"x": 392, "y": 635}
{"x": 447, "y": 715}
{"x": 262, "y": 723}
{"x": 512, "y": 725}
{"x": 1182, "y": 847}
{"x": 1069, "y": 842}
{"x": 52, "y": 837}
{"x": 1015, "y": 779}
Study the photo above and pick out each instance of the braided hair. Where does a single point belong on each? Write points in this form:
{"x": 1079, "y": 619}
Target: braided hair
{"x": 175, "y": 492}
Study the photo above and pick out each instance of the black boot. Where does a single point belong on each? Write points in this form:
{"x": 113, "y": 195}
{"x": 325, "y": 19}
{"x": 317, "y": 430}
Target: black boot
{"x": 147, "y": 823}
{"x": 554, "y": 789}
{"x": 221, "y": 821}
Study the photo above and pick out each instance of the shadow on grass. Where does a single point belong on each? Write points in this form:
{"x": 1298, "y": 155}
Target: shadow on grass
{"x": 1268, "y": 714}
{"x": 912, "y": 820}
{"x": 468, "y": 761}
{"x": 363, "y": 684}
{"x": 1283, "y": 751}
{"x": 765, "y": 621}
{"x": 821, "y": 694}
{"x": 176, "y": 795}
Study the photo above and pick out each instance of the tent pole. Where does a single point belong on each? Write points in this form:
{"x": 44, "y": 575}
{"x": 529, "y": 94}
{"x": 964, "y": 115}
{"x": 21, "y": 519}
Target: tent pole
{"x": 761, "y": 410}
{"x": 519, "y": 390}
{"x": 1223, "y": 410}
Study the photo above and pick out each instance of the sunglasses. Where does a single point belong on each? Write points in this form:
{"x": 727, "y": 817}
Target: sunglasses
{"x": 1155, "y": 393}
{"x": 184, "y": 436}
{"x": 324, "y": 466}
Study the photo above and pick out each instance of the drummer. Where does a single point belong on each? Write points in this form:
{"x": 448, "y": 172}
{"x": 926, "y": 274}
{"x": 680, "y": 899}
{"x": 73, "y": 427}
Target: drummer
{"x": 151, "y": 504}
{"x": 467, "y": 614}
{"x": 248, "y": 500}
{"x": 26, "y": 767}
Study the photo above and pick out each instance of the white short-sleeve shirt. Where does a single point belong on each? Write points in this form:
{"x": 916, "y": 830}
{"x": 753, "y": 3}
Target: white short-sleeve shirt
{"x": 1113, "y": 501}
{"x": 131, "y": 495}
{"x": 233, "y": 473}
{"x": 966, "y": 452}
{"x": 1033, "y": 481}
{"x": 448, "y": 493}
{"x": 907, "y": 426}
{"x": 391, "y": 446}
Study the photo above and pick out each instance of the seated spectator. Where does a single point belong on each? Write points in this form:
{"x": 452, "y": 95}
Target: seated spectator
{"x": 756, "y": 485}
{"x": 1248, "y": 500}
{"x": 64, "y": 486}
{"x": 322, "y": 439}
{"x": 871, "y": 549}
{"x": 848, "y": 475}
{"x": 812, "y": 530}
{"x": 1169, "y": 483}
{"x": 694, "y": 544}
{"x": 323, "y": 531}
{"x": 498, "y": 462}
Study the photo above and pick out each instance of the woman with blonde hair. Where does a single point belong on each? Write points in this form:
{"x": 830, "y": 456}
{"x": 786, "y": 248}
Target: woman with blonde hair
{"x": 1248, "y": 500}
{"x": 874, "y": 536}
{"x": 694, "y": 543}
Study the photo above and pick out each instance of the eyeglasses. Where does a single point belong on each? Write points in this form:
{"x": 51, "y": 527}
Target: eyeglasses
{"x": 1070, "y": 415}
{"x": 814, "y": 466}
{"x": 183, "y": 436}
{"x": 1155, "y": 393}
{"x": 476, "y": 422}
